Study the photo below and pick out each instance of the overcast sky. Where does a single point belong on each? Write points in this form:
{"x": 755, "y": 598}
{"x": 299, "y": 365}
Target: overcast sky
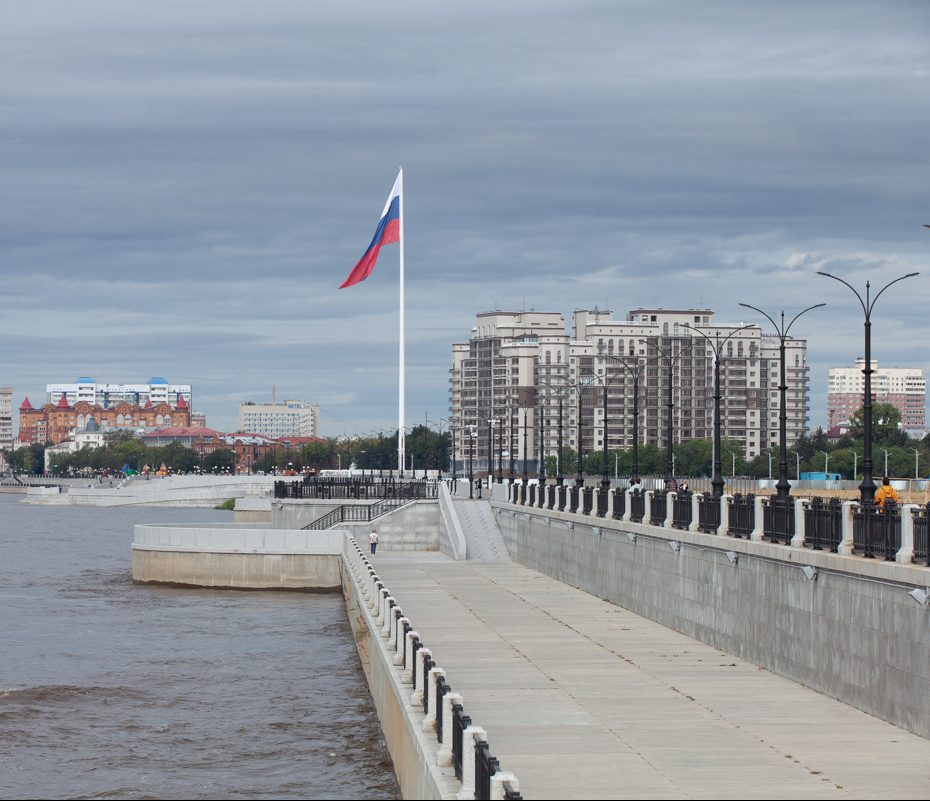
{"x": 185, "y": 185}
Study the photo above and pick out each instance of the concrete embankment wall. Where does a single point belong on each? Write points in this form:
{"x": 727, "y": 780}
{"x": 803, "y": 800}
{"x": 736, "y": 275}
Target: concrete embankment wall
{"x": 238, "y": 558}
{"x": 852, "y": 632}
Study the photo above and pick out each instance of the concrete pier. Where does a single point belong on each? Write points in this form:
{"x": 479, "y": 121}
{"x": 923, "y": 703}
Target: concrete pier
{"x": 583, "y": 699}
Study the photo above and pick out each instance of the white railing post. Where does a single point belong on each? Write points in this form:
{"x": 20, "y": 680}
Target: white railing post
{"x": 396, "y": 614}
{"x": 416, "y": 697}
{"x": 388, "y": 614}
{"x": 695, "y": 524}
{"x": 627, "y": 511}
{"x": 611, "y": 501}
{"x": 724, "y": 526}
{"x": 758, "y": 529}
{"x": 399, "y": 656}
{"x": 407, "y": 676}
{"x": 670, "y": 498}
{"x": 497, "y": 784}
{"x": 568, "y": 501}
{"x": 444, "y": 755}
{"x": 797, "y": 541}
{"x": 382, "y": 607}
{"x": 845, "y": 548}
{"x": 647, "y": 507}
{"x": 469, "y": 737}
{"x": 429, "y": 722}
{"x": 906, "y": 552}
{"x": 595, "y": 497}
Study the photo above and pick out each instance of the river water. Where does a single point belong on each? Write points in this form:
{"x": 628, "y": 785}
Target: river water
{"x": 110, "y": 689}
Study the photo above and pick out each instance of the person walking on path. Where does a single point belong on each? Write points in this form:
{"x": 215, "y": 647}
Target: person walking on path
{"x": 373, "y": 540}
{"x": 886, "y": 493}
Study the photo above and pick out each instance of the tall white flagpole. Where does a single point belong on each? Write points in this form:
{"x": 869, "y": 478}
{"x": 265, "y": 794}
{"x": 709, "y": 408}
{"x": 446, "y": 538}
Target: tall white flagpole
{"x": 401, "y": 435}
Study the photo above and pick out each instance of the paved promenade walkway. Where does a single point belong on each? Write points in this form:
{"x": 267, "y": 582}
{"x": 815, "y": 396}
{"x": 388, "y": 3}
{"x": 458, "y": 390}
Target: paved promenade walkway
{"x": 583, "y": 699}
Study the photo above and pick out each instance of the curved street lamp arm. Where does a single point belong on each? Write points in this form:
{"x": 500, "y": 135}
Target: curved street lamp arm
{"x": 865, "y": 311}
{"x": 872, "y": 304}
{"x": 809, "y": 308}
{"x": 764, "y": 314}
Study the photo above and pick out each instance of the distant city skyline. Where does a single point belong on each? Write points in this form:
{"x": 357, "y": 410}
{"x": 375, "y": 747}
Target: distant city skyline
{"x": 187, "y": 188}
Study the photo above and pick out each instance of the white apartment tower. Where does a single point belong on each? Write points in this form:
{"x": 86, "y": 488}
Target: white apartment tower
{"x": 6, "y": 418}
{"x": 292, "y": 418}
{"x": 902, "y": 387}
{"x": 516, "y": 358}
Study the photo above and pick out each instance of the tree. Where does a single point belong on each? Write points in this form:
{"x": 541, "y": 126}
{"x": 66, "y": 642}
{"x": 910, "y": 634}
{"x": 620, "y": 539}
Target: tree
{"x": 886, "y": 426}
{"x": 221, "y": 459}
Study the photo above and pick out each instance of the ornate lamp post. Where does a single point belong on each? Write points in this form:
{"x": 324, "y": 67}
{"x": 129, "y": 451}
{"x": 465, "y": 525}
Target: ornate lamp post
{"x": 605, "y": 382}
{"x": 669, "y": 358}
{"x": 511, "y": 448}
{"x": 716, "y": 345}
{"x": 867, "y": 487}
{"x": 500, "y": 450}
{"x": 560, "y": 393}
{"x": 635, "y": 371}
{"x": 472, "y": 436}
{"x": 541, "y": 453}
{"x": 783, "y": 488}
{"x": 491, "y": 422}
{"x": 526, "y": 475}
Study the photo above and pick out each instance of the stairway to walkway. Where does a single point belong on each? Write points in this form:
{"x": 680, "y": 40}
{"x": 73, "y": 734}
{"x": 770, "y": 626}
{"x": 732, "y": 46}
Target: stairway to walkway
{"x": 483, "y": 539}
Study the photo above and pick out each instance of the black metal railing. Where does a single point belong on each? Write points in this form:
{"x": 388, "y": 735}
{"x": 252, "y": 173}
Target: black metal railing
{"x": 442, "y": 689}
{"x": 877, "y": 531}
{"x": 637, "y": 507}
{"x": 460, "y": 722}
{"x": 428, "y": 665}
{"x": 742, "y": 515}
{"x": 778, "y": 519}
{"x": 356, "y": 490}
{"x": 657, "y": 508}
{"x": 682, "y": 510}
{"x": 921, "y": 539}
{"x": 485, "y": 767}
{"x": 510, "y": 794}
{"x": 573, "y": 499}
{"x": 355, "y": 514}
{"x": 556, "y": 497}
{"x": 708, "y": 514}
{"x": 823, "y": 524}
{"x": 587, "y": 500}
{"x": 619, "y": 504}
{"x": 602, "y": 498}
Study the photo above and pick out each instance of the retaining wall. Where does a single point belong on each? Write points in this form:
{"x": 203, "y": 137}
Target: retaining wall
{"x": 851, "y": 632}
{"x": 238, "y": 558}
{"x": 413, "y": 527}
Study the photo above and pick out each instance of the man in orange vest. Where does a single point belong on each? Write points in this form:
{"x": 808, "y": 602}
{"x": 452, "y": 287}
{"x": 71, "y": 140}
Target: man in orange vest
{"x": 886, "y": 493}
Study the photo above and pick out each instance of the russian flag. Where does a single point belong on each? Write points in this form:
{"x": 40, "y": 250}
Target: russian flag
{"x": 388, "y": 231}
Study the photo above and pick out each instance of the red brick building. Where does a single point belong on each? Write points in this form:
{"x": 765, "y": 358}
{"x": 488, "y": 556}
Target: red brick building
{"x": 54, "y": 422}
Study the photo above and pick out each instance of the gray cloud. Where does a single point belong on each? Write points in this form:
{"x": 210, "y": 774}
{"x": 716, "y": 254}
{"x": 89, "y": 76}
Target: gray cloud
{"x": 187, "y": 185}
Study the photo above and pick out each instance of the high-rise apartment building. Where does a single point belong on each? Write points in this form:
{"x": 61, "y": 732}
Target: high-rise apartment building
{"x": 157, "y": 390}
{"x": 292, "y": 418}
{"x": 6, "y": 418}
{"x": 902, "y": 387}
{"x": 517, "y": 364}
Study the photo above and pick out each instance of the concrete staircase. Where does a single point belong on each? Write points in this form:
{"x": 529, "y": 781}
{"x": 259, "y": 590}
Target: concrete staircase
{"x": 484, "y": 542}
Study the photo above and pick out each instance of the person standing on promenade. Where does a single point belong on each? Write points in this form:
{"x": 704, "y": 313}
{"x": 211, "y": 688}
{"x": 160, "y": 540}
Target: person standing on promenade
{"x": 886, "y": 493}
{"x": 373, "y": 540}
